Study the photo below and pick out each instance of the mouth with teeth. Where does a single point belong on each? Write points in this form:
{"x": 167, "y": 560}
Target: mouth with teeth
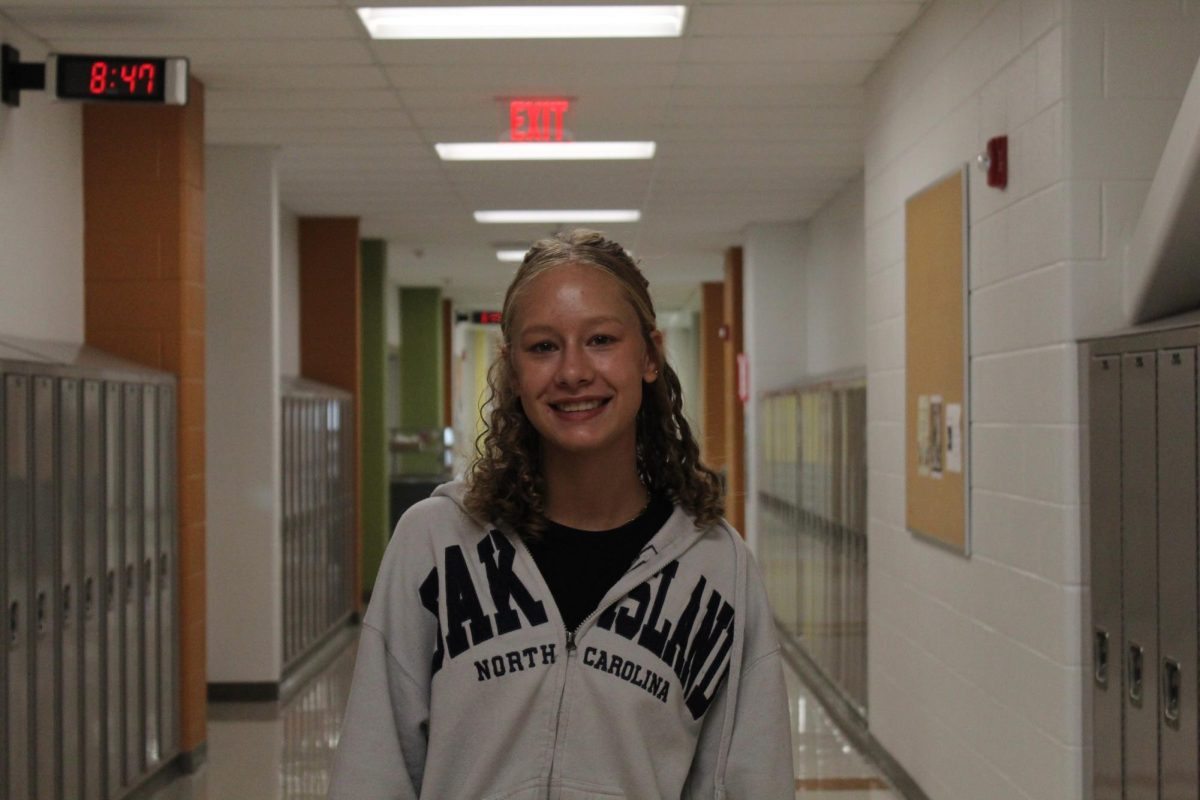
{"x": 579, "y": 410}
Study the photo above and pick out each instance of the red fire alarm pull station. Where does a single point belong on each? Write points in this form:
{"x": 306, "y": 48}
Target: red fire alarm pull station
{"x": 997, "y": 162}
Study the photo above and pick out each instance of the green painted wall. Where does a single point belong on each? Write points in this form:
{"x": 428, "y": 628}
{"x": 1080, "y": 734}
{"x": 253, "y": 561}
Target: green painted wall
{"x": 420, "y": 373}
{"x": 374, "y": 409}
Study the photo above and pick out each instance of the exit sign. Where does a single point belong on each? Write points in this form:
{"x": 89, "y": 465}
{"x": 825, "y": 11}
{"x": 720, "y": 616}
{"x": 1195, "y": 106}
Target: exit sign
{"x": 536, "y": 120}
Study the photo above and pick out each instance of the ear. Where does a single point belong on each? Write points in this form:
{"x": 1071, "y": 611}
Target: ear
{"x": 651, "y": 367}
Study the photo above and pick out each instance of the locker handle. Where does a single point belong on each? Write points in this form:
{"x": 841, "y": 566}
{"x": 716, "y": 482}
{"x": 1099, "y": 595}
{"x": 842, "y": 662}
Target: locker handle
{"x": 14, "y": 621}
{"x": 111, "y": 589}
{"x": 1100, "y": 656}
{"x": 66, "y": 603}
{"x": 1136, "y": 670}
{"x": 147, "y": 577}
{"x": 41, "y": 611}
{"x": 89, "y": 592}
{"x": 1172, "y": 684}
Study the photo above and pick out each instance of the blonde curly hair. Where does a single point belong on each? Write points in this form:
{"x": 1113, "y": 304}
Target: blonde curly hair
{"x": 504, "y": 482}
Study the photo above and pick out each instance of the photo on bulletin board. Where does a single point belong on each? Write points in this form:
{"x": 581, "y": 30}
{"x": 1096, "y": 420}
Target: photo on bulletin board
{"x": 937, "y": 364}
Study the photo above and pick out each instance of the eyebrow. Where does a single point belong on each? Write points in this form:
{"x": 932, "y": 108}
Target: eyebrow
{"x": 588, "y": 321}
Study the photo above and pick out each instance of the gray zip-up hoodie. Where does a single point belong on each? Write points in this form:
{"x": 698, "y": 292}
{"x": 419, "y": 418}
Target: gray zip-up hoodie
{"x": 468, "y": 687}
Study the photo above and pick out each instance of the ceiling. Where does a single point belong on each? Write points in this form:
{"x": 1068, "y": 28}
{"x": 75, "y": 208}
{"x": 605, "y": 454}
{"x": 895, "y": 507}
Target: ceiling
{"x": 757, "y": 110}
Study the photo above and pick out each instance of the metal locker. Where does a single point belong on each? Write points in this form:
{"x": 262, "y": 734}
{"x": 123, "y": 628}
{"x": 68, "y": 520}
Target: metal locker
{"x": 45, "y": 587}
{"x": 1139, "y": 575}
{"x": 168, "y": 537}
{"x": 70, "y": 553}
{"x": 1104, "y": 418}
{"x": 132, "y": 581}
{"x": 285, "y": 431}
{"x": 1177, "y": 560}
{"x": 113, "y": 590}
{"x": 18, "y": 541}
{"x": 90, "y": 595}
{"x": 149, "y": 574}
{"x": 313, "y": 524}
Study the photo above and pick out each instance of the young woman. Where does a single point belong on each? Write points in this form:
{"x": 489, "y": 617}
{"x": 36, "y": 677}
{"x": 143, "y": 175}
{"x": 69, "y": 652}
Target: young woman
{"x": 576, "y": 620}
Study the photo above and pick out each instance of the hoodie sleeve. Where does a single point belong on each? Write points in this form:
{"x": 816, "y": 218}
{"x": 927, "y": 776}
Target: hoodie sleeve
{"x": 381, "y": 752}
{"x": 759, "y": 762}
{"x": 385, "y": 733}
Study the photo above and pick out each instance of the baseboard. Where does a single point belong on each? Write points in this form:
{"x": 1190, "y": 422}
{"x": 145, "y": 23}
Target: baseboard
{"x": 850, "y": 719}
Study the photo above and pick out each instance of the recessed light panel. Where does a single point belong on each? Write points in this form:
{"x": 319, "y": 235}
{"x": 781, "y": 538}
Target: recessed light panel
{"x": 553, "y": 216}
{"x": 544, "y": 151}
{"x": 523, "y": 22}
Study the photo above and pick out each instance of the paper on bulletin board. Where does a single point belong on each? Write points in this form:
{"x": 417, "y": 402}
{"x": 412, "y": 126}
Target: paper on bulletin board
{"x": 930, "y": 440}
{"x": 954, "y": 437}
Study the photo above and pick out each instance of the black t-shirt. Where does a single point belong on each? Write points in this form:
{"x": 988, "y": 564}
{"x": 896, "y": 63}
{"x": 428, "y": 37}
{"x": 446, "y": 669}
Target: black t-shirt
{"x": 581, "y": 566}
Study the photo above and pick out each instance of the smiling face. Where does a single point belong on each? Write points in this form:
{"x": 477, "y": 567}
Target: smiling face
{"x": 579, "y": 359}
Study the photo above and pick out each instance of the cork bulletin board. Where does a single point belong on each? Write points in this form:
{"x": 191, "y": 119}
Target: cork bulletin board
{"x": 937, "y": 428}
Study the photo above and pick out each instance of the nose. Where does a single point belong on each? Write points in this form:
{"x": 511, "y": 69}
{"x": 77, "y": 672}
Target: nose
{"x": 574, "y": 367}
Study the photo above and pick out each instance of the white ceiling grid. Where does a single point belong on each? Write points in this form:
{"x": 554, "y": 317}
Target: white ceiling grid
{"x": 757, "y": 111}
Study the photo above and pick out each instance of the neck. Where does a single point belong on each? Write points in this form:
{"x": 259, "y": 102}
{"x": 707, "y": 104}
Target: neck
{"x": 596, "y": 493}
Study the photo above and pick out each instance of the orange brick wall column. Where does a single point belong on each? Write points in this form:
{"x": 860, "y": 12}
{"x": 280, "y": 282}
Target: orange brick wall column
{"x": 735, "y": 442}
{"x": 330, "y": 325}
{"x": 143, "y": 175}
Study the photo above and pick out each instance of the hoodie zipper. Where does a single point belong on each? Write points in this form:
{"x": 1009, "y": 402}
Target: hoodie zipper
{"x": 562, "y": 694}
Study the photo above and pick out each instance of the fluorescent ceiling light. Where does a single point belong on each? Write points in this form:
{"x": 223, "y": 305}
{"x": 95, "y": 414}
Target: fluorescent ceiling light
{"x": 523, "y": 22}
{"x": 543, "y": 151}
{"x": 601, "y": 215}
{"x": 511, "y": 255}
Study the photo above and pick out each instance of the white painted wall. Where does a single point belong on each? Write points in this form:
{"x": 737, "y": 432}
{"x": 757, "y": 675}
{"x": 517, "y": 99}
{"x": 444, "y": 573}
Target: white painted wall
{"x": 773, "y": 330}
{"x": 242, "y": 431}
{"x": 289, "y": 293}
{"x": 41, "y": 211}
{"x": 976, "y": 665}
{"x": 835, "y": 302}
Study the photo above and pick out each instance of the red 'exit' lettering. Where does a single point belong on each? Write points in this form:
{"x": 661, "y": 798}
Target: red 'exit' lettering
{"x": 536, "y": 120}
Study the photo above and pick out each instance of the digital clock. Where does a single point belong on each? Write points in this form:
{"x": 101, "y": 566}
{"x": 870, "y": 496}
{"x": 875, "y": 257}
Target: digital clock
{"x": 123, "y": 79}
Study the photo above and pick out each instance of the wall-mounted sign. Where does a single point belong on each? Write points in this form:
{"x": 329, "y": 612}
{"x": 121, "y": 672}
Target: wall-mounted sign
{"x": 536, "y": 120}
{"x": 484, "y": 317}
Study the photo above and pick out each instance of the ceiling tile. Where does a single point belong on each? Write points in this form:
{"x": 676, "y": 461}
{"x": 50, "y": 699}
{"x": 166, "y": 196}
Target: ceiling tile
{"x": 756, "y": 49}
{"x": 207, "y": 52}
{"x": 800, "y": 73}
{"x": 299, "y": 99}
{"x": 161, "y": 23}
{"x": 801, "y": 19}
{"x": 254, "y": 78}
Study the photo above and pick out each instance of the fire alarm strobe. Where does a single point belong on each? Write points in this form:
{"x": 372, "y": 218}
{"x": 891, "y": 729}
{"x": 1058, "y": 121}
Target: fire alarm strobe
{"x": 153, "y": 80}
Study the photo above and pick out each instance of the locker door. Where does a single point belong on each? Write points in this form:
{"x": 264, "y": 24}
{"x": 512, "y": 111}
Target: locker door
{"x": 168, "y": 537}
{"x": 18, "y": 540}
{"x": 1177, "y": 620}
{"x": 45, "y": 565}
{"x": 1139, "y": 522}
{"x": 90, "y": 595}
{"x": 149, "y": 572}
{"x": 285, "y": 526}
{"x": 134, "y": 697}
{"x": 70, "y": 551}
{"x": 113, "y": 589}
{"x": 1104, "y": 419}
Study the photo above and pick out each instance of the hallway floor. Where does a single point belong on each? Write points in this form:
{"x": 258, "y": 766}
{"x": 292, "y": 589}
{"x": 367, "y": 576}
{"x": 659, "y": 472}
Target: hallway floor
{"x": 262, "y": 751}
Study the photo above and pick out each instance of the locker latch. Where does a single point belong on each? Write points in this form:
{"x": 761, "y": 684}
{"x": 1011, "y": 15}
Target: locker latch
{"x": 1136, "y": 670}
{"x": 14, "y": 621}
{"x": 1172, "y": 683}
{"x": 1100, "y": 656}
